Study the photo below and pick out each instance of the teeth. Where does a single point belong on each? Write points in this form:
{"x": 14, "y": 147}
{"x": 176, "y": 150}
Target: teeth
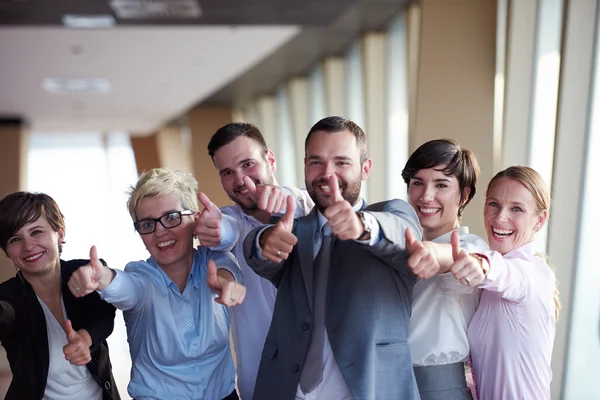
{"x": 165, "y": 244}
{"x": 325, "y": 188}
{"x": 34, "y": 257}
{"x": 502, "y": 232}
{"x": 428, "y": 210}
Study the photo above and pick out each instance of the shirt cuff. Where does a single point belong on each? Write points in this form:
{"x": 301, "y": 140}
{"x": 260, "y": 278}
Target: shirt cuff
{"x": 115, "y": 287}
{"x": 375, "y": 230}
{"x": 257, "y": 248}
{"x": 230, "y": 233}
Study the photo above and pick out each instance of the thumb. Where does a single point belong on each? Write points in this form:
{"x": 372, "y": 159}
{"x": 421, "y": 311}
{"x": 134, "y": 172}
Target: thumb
{"x": 208, "y": 205}
{"x": 287, "y": 221}
{"x": 211, "y": 279}
{"x": 410, "y": 240}
{"x": 335, "y": 188}
{"x": 455, "y": 242}
{"x": 250, "y": 185}
{"x": 94, "y": 260}
{"x": 71, "y": 334}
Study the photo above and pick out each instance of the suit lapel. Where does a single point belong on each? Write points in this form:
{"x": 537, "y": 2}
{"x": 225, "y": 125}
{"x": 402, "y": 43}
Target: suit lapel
{"x": 306, "y": 230}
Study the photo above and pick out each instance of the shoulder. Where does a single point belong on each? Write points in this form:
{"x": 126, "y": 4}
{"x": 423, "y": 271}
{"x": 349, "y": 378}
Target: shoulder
{"x": 10, "y": 286}
{"x": 390, "y": 205}
{"x": 232, "y": 211}
{"x": 473, "y": 243}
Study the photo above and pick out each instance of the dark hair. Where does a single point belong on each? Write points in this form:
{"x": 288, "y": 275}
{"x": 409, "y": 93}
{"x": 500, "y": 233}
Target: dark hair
{"x": 458, "y": 162}
{"x": 338, "y": 124}
{"x": 21, "y": 208}
{"x": 232, "y": 131}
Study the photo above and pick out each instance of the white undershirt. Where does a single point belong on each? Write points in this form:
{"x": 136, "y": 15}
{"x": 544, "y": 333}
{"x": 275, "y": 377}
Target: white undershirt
{"x": 65, "y": 381}
{"x": 441, "y": 311}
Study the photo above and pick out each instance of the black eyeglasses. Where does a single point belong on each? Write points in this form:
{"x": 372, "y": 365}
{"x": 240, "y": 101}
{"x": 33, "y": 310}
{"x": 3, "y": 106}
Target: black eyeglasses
{"x": 168, "y": 221}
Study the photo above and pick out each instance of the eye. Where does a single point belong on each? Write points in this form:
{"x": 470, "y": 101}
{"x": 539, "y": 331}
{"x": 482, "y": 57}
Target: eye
{"x": 417, "y": 183}
{"x": 493, "y": 204}
{"x": 226, "y": 173}
{"x": 517, "y": 209}
{"x": 146, "y": 224}
{"x": 441, "y": 185}
{"x": 13, "y": 240}
{"x": 36, "y": 232}
{"x": 343, "y": 163}
{"x": 315, "y": 162}
{"x": 248, "y": 164}
{"x": 172, "y": 216}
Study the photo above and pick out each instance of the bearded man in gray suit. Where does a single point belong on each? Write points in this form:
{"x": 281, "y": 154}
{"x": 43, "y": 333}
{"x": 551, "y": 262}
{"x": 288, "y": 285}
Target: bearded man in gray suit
{"x": 344, "y": 295}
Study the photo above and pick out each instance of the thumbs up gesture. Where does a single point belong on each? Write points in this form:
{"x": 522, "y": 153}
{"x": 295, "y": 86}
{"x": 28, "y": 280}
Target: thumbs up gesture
{"x": 208, "y": 224}
{"x": 90, "y": 277}
{"x": 465, "y": 268}
{"x": 230, "y": 293}
{"x": 277, "y": 242}
{"x": 77, "y": 349}
{"x": 342, "y": 219}
{"x": 423, "y": 260}
{"x": 269, "y": 198}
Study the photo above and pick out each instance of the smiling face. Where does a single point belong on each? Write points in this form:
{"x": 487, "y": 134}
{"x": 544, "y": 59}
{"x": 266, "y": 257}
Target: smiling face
{"x": 244, "y": 157}
{"x": 170, "y": 248}
{"x": 511, "y": 215}
{"x": 34, "y": 248}
{"x": 436, "y": 199}
{"x": 334, "y": 153}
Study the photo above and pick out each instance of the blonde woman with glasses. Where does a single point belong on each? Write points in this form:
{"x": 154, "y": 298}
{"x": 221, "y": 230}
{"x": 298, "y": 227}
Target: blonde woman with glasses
{"x": 178, "y": 331}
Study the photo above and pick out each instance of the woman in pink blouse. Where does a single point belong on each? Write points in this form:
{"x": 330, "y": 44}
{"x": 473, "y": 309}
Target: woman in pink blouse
{"x": 512, "y": 332}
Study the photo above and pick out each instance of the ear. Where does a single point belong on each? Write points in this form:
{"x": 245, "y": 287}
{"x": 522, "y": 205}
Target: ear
{"x": 465, "y": 195}
{"x": 271, "y": 160}
{"x": 541, "y": 220}
{"x": 366, "y": 168}
{"x": 61, "y": 235}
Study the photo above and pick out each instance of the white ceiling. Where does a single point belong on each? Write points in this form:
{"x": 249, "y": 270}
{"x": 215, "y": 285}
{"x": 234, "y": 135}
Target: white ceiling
{"x": 157, "y": 73}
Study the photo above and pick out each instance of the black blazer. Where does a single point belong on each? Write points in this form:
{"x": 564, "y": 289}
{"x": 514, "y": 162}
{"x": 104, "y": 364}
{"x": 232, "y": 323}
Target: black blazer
{"x": 25, "y": 338}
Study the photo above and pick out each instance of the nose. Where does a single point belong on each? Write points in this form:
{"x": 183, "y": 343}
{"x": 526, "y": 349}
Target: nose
{"x": 159, "y": 229}
{"x": 502, "y": 215}
{"x": 239, "y": 178}
{"x": 427, "y": 195}
{"x": 28, "y": 244}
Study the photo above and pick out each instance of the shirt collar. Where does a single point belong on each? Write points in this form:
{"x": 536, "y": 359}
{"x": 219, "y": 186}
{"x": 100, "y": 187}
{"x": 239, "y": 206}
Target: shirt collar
{"x": 445, "y": 238}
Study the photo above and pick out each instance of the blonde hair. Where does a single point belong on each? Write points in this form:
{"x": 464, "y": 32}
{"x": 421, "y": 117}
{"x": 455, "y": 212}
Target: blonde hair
{"x": 534, "y": 183}
{"x": 162, "y": 182}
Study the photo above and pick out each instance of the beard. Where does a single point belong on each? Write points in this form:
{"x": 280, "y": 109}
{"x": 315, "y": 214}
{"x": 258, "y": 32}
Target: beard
{"x": 245, "y": 200}
{"x": 350, "y": 192}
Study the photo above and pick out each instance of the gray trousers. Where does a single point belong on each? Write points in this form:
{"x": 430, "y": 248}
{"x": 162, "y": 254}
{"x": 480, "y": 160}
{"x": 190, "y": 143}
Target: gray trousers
{"x": 443, "y": 382}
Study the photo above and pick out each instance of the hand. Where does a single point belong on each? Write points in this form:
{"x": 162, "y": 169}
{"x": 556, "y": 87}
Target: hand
{"x": 88, "y": 278}
{"x": 77, "y": 350}
{"x": 342, "y": 219}
{"x": 269, "y": 198}
{"x": 422, "y": 261}
{"x": 277, "y": 242}
{"x": 208, "y": 224}
{"x": 222, "y": 282}
{"x": 465, "y": 268}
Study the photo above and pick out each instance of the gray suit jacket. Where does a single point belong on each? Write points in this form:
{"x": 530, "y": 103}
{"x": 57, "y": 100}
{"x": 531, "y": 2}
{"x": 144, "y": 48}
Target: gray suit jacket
{"x": 369, "y": 298}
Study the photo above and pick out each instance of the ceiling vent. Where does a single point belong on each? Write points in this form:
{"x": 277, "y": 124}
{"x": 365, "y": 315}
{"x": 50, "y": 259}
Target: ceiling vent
{"x": 77, "y": 85}
{"x": 156, "y": 9}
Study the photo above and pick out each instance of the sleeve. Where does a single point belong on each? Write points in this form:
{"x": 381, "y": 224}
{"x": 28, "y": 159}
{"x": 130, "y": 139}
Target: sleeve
{"x": 230, "y": 232}
{"x": 226, "y": 260}
{"x": 375, "y": 231}
{"x": 304, "y": 204}
{"x": 393, "y": 218}
{"x": 514, "y": 278}
{"x": 128, "y": 288}
{"x": 101, "y": 318}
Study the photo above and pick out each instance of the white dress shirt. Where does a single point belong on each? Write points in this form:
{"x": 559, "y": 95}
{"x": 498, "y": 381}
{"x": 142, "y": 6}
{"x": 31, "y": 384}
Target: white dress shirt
{"x": 251, "y": 319}
{"x": 65, "y": 380}
{"x": 441, "y": 311}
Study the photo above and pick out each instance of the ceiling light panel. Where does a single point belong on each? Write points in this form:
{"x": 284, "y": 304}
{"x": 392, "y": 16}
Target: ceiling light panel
{"x": 155, "y": 9}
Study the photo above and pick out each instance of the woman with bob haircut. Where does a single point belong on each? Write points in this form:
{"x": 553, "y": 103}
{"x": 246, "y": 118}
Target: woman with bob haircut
{"x": 55, "y": 342}
{"x": 441, "y": 178}
{"x": 178, "y": 332}
{"x": 512, "y": 332}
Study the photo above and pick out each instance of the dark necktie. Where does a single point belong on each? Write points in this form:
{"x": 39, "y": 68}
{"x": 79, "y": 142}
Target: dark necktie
{"x": 312, "y": 372}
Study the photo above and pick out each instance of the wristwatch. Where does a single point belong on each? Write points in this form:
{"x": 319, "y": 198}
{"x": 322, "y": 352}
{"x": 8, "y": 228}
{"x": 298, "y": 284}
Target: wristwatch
{"x": 485, "y": 266}
{"x": 366, "y": 224}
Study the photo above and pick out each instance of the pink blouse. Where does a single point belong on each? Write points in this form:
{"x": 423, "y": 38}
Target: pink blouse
{"x": 512, "y": 332}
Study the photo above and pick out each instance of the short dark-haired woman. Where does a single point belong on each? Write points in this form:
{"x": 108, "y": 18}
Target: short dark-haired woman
{"x": 55, "y": 343}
